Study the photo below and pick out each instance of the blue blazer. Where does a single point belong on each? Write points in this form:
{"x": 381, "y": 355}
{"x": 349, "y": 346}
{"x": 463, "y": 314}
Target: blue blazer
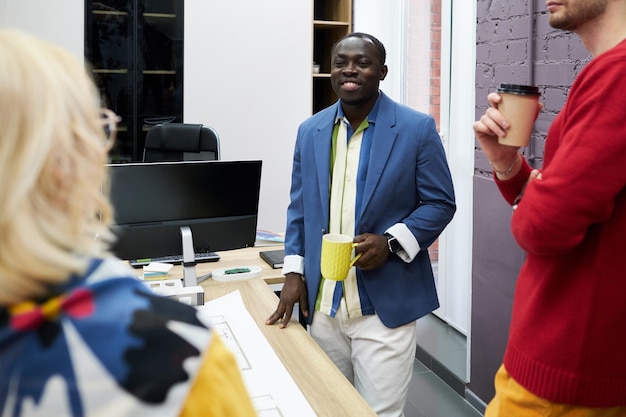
{"x": 408, "y": 181}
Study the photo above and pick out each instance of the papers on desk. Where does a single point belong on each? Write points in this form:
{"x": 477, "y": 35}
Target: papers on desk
{"x": 271, "y": 387}
{"x": 156, "y": 270}
{"x": 268, "y": 238}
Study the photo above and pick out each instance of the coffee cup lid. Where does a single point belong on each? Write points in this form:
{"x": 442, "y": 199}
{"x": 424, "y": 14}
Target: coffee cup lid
{"x": 519, "y": 89}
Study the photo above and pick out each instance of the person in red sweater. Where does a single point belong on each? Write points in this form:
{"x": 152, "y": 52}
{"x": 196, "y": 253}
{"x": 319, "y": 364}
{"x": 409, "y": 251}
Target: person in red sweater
{"x": 566, "y": 351}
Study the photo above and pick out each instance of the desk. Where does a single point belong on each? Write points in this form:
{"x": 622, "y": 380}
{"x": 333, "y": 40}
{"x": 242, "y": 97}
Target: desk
{"x": 237, "y": 257}
{"x": 323, "y": 385}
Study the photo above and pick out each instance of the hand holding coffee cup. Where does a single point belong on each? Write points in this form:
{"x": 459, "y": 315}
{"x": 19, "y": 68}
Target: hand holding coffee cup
{"x": 336, "y": 258}
{"x": 519, "y": 106}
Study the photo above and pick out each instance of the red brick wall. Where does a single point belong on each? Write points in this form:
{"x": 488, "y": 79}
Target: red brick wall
{"x": 435, "y": 60}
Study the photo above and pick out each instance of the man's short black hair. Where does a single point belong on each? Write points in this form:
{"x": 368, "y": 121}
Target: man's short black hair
{"x": 379, "y": 45}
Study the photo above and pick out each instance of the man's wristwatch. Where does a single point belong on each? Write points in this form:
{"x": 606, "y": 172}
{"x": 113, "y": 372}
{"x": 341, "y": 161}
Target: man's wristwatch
{"x": 392, "y": 243}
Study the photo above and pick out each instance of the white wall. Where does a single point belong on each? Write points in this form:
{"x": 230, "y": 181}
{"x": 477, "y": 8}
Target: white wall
{"x": 248, "y": 74}
{"x": 59, "y": 21}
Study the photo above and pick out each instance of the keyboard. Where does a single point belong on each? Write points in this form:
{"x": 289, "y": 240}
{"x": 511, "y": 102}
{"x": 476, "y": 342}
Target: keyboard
{"x": 176, "y": 259}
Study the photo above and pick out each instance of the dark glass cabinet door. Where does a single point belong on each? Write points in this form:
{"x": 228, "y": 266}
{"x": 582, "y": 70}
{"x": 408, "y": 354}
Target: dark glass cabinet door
{"x": 135, "y": 50}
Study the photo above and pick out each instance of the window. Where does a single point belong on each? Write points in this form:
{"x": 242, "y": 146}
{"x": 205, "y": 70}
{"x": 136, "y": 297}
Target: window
{"x": 431, "y": 48}
{"x": 423, "y": 80}
{"x": 440, "y": 39}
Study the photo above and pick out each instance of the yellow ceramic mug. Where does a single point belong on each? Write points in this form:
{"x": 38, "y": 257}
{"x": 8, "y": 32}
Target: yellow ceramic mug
{"x": 336, "y": 256}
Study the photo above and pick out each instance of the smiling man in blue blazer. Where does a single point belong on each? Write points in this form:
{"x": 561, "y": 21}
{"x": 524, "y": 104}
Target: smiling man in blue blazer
{"x": 375, "y": 170}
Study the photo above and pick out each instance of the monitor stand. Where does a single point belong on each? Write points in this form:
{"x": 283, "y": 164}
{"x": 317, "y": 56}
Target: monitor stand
{"x": 187, "y": 290}
{"x": 189, "y": 258}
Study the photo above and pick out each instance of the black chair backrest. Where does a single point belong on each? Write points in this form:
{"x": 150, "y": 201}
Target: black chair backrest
{"x": 181, "y": 142}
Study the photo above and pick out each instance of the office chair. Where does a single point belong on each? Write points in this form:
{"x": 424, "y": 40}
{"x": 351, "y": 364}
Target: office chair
{"x": 181, "y": 142}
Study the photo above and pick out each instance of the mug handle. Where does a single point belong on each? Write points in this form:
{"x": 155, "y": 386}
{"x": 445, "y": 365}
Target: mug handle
{"x": 356, "y": 258}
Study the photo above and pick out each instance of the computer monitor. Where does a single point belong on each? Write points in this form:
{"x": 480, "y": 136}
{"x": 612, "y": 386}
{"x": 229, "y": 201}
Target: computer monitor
{"x": 217, "y": 200}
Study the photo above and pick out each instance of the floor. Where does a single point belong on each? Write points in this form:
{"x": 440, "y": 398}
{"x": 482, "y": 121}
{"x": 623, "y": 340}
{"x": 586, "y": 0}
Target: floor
{"x": 436, "y": 389}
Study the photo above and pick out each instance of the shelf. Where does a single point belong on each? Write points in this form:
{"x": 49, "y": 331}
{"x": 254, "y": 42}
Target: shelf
{"x": 110, "y": 71}
{"x": 338, "y": 10}
{"x": 332, "y": 19}
{"x": 135, "y": 50}
{"x": 125, "y": 71}
{"x": 159, "y": 72}
{"x": 109, "y": 13}
{"x": 160, "y": 15}
{"x": 329, "y": 24}
{"x": 117, "y": 13}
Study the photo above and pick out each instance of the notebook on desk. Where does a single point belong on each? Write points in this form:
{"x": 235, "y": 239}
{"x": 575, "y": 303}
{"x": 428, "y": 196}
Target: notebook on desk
{"x": 274, "y": 258}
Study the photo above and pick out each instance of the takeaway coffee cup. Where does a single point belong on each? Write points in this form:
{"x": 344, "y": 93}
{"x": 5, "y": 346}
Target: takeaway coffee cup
{"x": 519, "y": 107}
{"x": 337, "y": 256}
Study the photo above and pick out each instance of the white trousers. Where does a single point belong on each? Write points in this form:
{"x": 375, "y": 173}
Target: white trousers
{"x": 377, "y": 360}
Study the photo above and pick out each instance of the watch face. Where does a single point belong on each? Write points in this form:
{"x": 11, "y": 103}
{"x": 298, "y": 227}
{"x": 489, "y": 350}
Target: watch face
{"x": 392, "y": 242}
{"x": 394, "y": 245}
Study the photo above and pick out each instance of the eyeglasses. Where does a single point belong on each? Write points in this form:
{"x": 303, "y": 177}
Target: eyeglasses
{"x": 109, "y": 122}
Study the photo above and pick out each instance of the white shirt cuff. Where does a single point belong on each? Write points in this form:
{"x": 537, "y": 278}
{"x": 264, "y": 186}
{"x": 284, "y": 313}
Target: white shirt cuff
{"x": 293, "y": 263}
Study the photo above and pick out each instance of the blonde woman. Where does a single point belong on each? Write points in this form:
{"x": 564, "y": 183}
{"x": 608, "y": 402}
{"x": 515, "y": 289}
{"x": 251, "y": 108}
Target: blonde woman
{"x": 79, "y": 334}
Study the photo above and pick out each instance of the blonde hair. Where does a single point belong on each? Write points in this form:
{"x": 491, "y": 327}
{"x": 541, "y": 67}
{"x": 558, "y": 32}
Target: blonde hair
{"x": 54, "y": 212}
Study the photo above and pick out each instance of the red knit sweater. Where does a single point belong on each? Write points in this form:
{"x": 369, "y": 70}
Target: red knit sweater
{"x": 567, "y": 340}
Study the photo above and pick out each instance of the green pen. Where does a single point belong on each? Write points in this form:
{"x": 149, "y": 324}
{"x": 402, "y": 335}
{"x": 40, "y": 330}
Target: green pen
{"x": 237, "y": 271}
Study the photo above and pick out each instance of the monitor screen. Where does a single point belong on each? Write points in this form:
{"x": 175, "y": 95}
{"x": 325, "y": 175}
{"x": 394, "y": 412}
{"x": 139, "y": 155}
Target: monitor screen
{"x": 217, "y": 200}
